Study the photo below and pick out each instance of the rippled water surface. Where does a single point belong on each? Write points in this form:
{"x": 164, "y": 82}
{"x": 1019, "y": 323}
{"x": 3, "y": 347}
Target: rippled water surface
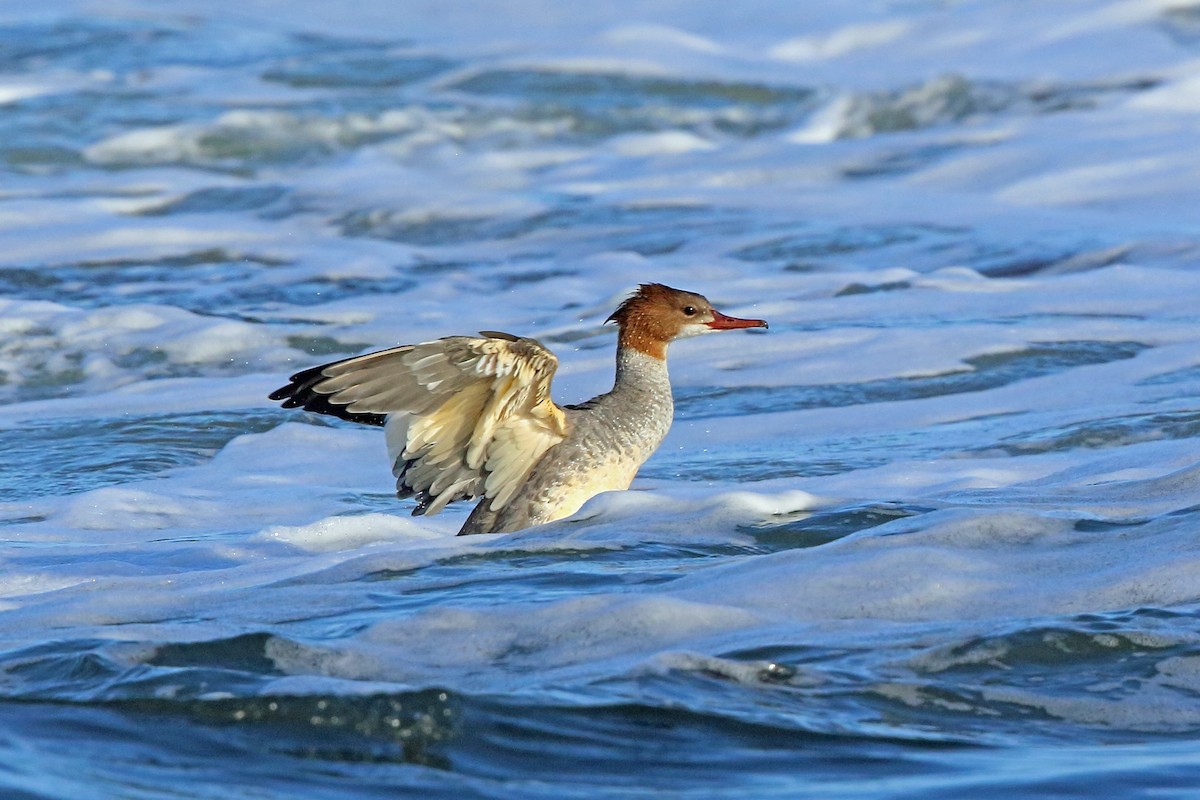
{"x": 935, "y": 533}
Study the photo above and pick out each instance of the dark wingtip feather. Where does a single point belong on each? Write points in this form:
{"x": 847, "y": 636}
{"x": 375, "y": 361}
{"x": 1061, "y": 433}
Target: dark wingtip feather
{"x": 301, "y": 394}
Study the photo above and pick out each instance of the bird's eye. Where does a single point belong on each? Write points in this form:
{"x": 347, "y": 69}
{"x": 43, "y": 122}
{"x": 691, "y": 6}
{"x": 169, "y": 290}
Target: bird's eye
{"x": 689, "y": 311}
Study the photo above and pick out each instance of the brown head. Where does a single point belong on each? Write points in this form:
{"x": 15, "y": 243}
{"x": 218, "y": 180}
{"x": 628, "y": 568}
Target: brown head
{"x": 656, "y": 315}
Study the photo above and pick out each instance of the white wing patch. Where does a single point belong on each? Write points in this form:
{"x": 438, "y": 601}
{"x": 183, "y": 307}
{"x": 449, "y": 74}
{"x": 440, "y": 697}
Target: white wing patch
{"x": 466, "y": 417}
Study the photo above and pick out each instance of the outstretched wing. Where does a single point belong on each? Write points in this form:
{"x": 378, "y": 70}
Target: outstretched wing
{"x": 465, "y": 417}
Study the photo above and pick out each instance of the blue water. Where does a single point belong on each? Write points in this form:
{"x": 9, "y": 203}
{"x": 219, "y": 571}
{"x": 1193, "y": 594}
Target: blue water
{"x": 933, "y": 534}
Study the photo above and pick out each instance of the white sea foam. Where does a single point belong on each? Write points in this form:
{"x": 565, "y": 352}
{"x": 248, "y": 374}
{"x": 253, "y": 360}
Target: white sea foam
{"x": 663, "y": 36}
{"x": 840, "y": 42}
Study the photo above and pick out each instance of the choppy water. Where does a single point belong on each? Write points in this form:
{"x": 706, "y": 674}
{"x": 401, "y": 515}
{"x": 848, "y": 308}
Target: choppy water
{"x": 935, "y": 533}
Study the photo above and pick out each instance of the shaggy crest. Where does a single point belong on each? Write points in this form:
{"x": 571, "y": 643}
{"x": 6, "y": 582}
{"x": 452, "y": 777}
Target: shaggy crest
{"x": 646, "y": 294}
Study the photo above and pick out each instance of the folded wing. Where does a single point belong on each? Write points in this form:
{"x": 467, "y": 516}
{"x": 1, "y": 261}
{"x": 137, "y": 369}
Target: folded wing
{"x": 464, "y": 416}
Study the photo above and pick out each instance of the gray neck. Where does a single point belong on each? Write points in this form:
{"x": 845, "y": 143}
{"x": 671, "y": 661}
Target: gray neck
{"x": 631, "y": 420}
{"x": 639, "y": 373}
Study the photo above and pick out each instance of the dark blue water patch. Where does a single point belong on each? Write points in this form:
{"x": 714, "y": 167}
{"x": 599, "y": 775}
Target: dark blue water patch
{"x": 643, "y": 229}
{"x": 58, "y": 668}
{"x": 1087, "y": 95}
{"x": 901, "y": 160}
{"x": 129, "y": 46}
{"x": 945, "y": 99}
{"x": 356, "y": 69}
{"x": 67, "y": 456}
{"x": 1107, "y": 525}
{"x": 215, "y": 282}
{"x": 463, "y": 585}
{"x": 768, "y": 464}
{"x": 1108, "y": 676}
{"x": 929, "y": 321}
{"x": 243, "y": 302}
{"x": 632, "y": 748}
{"x": 1185, "y": 375}
{"x": 1182, "y": 23}
{"x": 32, "y": 154}
{"x": 954, "y": 99}
{"x": 1143, "y": 616}
{"x": 245, "y": 653}
{"x": 316, "y": 345}
{"x": 851, "y": 289}
{"x": 827, "y": 242}
{"x": 1095, "y": 678}
{"x": 516, "y": 574}
{"x": 221, "y": 199}
{"x": 597, "y": 104}
{"x": 198, "y": 280}
{"x": 193, "y": 258}
{"x": 1120, "y": 643}
{"x": 827, "y": 525}
{"x": 85, "y": 671}
{"x": 84, "y": 45}
{"x": 986, "y": 372}
{"x": 617, "y": 90}
{"x": 925, "y": 247}
{"x": 1102, "y": 433}
{"x": 509, "y": 280}
{"x": 807, "y": 454}
{"x": 428, "y": 231}
{"x": 1024, "y": 259}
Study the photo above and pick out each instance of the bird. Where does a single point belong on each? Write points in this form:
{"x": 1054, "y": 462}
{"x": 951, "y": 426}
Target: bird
{"x": 469, "y": 417}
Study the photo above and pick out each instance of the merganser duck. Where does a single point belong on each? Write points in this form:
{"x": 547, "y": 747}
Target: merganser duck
{"x": 467, "y": 417}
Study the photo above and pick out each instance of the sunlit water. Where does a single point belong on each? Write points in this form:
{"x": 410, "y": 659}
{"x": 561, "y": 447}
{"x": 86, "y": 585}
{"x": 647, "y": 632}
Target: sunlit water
{"x": 936, "y": 533}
